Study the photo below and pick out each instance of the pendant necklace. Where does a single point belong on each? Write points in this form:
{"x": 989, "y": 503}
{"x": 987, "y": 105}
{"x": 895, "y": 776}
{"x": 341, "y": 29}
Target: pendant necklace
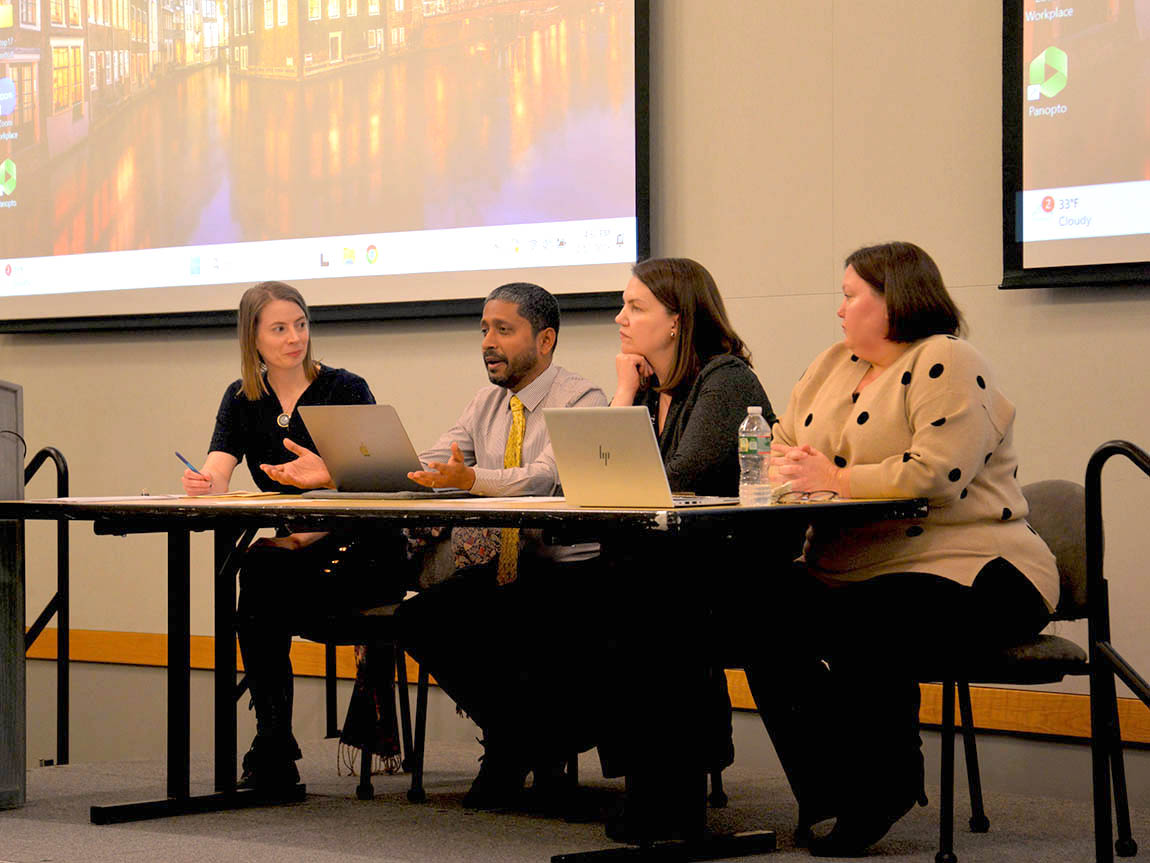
{"x": 282, "y": 420}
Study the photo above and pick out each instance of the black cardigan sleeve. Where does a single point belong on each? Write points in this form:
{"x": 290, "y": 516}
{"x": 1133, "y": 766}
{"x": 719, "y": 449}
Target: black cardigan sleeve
{"x": 700, "y": 449}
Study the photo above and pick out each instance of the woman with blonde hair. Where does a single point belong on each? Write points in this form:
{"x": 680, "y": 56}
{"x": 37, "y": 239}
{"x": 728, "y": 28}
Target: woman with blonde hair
{"x": 292, "y": 577}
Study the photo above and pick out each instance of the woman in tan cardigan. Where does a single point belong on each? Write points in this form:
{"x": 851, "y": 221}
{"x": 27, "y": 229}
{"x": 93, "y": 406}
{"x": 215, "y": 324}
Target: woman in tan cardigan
{"x": 901, "y": 407}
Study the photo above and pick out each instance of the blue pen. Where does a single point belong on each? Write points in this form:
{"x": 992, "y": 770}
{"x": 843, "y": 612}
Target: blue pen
{"x": 191, "y": 466}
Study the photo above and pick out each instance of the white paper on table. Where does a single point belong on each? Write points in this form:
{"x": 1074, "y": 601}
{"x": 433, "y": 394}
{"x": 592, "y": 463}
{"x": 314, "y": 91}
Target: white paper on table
{"x": 479, "y": 502}
{"x": 112, "y": 499}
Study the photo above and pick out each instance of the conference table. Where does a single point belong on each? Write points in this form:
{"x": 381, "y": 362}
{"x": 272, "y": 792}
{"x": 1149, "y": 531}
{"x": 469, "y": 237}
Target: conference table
{"x": 234, "y": 522}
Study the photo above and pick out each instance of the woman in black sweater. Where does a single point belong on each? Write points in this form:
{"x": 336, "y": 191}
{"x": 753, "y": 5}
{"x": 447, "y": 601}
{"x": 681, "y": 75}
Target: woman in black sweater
{"x": 681, "y": 358}
{"x": 293, "y": 577}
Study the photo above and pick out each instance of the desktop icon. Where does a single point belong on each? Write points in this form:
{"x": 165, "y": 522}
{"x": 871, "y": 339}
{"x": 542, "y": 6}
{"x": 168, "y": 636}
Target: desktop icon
{"x": 1041, "y": 84}
{"x": 195, "y": 267}
{"x": 323, "y": 262}
{"x": 7, "y": 177}
{"x": 7, "y": 269}
{"x": 7, "y": 96}
{"x": 6, "y": 15}
{"x": 372, "y": 254}
{"x": 348, "y": 255}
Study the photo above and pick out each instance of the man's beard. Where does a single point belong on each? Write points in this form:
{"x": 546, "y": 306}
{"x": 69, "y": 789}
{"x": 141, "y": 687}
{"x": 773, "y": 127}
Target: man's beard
{"x": 514, "y": 370}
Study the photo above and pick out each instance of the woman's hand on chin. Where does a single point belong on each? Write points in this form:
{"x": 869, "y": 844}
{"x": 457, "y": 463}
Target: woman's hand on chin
{"x": 632, "y": 372}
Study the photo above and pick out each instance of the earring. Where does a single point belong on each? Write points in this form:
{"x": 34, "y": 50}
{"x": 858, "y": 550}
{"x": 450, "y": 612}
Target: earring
{"x": 672, "y": 332}
{"x": 263, "y": 368}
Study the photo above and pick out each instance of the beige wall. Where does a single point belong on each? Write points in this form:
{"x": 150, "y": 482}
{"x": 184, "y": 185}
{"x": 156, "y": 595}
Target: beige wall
{"x": 783, "y": 135}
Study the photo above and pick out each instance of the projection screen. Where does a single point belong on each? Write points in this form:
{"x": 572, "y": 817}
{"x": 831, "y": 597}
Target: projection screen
{"x": 1076, "y": 142}
{"x": 388, "y": 157}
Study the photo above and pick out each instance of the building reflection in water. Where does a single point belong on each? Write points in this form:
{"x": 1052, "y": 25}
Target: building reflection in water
{"x": 526, "y": 116}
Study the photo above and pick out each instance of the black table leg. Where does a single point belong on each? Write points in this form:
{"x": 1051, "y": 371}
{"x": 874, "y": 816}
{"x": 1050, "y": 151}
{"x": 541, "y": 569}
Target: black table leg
{"x": 179, "y": 663}
{"x": 224, "y": 599}
{"x": 668, "y": 635}
{"x": 697, "y": 843}
{"x": 712, "y": 848}
{"x": 179, "y": 800}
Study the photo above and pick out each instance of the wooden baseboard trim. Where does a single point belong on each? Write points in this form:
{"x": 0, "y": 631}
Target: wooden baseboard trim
{"x": 1023, "y": 711}
{"x": 150, "y": 649}
{"x": 1019, "y": 711}
{"x": 1037, "y": 712}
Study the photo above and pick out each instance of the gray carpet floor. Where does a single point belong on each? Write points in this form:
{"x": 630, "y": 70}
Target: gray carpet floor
{"x": 333, "y": 825}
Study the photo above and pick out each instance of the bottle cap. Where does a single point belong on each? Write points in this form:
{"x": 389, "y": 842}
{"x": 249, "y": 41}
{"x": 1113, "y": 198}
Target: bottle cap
{"x": 755, "y": 410}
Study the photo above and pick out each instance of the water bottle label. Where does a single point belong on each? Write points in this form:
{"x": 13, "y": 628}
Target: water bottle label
{"x": 751, "y": 443}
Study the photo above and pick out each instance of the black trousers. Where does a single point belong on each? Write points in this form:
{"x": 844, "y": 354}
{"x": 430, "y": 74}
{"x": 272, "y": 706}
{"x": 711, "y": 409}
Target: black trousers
{"x": 665, "y": 709}
{"x": 618, "y": 652}
{"x": 282, "y": 591}
{"x": 520, "y": 659}
{"x": 836, "y": 678}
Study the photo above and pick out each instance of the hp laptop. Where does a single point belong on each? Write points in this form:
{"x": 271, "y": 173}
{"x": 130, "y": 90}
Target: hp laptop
{"x": 367, "y": 452}
{"x": 609, "y": 457}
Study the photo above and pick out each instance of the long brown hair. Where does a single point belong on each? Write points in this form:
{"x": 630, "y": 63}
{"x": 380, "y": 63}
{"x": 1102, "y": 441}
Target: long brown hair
{"x": 689, "y": 291}
{"x": 251, "y": 304}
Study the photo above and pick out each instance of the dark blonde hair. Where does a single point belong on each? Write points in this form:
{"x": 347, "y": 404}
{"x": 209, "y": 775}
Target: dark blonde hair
{"x": 686, "y": 289}
{"x": 907, "y": 278}
{"x": 251, "y": 304}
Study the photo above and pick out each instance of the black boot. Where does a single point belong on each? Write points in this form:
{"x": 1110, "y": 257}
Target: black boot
{"x": 499, "y": 784}
{"x": 894, "y": 783}
{"x": 661, "y": 804}
{"x": 795, "y": 709}
{"x": 269, "y": 765}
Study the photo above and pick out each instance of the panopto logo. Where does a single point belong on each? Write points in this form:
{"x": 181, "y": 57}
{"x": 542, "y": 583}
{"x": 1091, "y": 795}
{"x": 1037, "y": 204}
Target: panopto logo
{"x": 7, "y": 177}
{"x": 1048, "y": 74}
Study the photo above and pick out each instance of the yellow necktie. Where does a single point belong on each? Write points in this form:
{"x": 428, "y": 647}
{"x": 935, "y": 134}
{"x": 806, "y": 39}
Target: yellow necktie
{"x": 512, "y": 457}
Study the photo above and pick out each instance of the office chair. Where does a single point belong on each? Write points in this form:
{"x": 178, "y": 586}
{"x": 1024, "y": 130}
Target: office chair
{"x": 1059, "y": 513}
{"x": 375, "y": 626}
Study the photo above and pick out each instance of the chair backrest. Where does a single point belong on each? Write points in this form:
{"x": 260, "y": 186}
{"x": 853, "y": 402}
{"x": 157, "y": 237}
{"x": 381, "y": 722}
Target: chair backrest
{"x": 1058, "y": 514}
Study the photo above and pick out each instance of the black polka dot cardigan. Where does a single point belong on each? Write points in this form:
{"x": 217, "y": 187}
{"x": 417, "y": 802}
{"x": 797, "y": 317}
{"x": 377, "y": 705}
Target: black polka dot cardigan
{"x": 932, "y": 425}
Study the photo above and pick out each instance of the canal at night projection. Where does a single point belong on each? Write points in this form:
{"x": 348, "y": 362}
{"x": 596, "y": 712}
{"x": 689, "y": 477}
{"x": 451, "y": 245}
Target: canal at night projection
{"x": 523, "y": 115}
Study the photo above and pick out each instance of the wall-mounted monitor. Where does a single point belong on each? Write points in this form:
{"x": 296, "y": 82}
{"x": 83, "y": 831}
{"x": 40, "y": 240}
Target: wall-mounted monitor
{"x": 387, "y": 157}
{"x": 1076, "y": 142}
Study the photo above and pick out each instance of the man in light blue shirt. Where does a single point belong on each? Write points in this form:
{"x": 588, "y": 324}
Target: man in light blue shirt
{"x": 469, "y": 630}
{"x": 473, "y": 631}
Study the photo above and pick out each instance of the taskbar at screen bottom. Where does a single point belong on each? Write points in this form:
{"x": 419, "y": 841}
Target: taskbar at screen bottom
{"x": 580, "y": 243}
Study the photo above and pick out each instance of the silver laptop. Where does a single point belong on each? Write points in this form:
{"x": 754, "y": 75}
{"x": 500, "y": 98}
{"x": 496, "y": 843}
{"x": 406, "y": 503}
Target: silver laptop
{"x": 610, "y": 457}
{"x": 367, "y": 451}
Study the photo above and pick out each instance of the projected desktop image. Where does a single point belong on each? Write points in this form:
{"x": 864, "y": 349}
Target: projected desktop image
{"x": 176, "y": 143}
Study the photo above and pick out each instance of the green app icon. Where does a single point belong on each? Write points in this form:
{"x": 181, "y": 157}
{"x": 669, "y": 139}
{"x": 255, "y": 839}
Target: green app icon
{"x": 1056, "y": 60}
{"x": 7, "y": 177}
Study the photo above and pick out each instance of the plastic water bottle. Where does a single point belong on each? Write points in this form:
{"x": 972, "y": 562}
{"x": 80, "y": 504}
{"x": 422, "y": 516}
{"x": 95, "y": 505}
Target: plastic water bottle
{"x": 754, "y": 458}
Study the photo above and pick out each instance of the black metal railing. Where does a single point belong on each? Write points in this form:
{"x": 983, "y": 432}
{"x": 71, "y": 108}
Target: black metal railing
{"x": 1106, "y": 663}
{"x": 58, "y": 604}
